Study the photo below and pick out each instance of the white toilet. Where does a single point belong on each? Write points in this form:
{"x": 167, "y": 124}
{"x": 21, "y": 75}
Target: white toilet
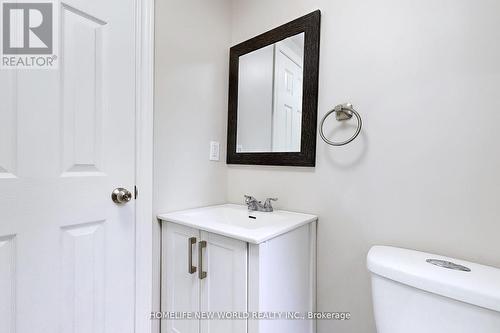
{"x": 417, "y": 292}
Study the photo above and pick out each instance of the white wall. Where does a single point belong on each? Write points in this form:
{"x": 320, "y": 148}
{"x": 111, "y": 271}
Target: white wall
{"x": 425, "y": 172}
{"x": 192, "y": 56}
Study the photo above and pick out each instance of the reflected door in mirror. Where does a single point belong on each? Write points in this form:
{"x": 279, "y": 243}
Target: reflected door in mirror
{"x": 270, "y": 97}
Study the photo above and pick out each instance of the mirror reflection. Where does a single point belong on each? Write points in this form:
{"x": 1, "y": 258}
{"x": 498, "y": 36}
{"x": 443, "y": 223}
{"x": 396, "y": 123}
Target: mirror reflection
{"x": 270, "y": 97}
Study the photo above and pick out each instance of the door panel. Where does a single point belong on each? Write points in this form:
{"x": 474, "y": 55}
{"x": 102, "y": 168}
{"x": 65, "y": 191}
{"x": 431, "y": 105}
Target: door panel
{"x": 180, "y": 288}
{"x": 82, "y": 92}
{"x": 7, "y": 283}
{"x": 67, "y": 139}
{"x": 83, "y": 278}
{"x": 225, "y": 287}
{"x": 287, "y": 117}
{"x": 8, "y": 126}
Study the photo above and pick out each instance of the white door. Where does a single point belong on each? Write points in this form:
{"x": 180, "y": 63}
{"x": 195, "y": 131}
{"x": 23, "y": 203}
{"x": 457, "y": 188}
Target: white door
{"x": 180, "y": 276}
{"x": 287, "y": 114}
{"x": 225, "y": 287}
{"x": 67, "y": 139}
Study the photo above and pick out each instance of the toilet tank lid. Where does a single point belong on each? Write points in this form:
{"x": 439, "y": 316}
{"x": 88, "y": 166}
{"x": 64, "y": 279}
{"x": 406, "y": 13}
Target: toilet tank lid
{"x": 480, "y": 286}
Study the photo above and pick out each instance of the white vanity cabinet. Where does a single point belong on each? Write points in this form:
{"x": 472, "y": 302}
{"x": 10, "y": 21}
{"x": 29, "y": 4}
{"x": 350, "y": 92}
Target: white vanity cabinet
{"x": 212, "y": 280}
{"x": 223, "y": 259}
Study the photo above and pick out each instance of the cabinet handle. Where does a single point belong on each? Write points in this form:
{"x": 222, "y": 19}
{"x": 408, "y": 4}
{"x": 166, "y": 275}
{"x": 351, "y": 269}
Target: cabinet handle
{"x": 191, "y": 268}
{"x": 202, "y": 245}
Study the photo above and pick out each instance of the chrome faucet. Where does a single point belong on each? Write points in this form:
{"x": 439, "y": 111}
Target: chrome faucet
{"x": 256, "y": 205}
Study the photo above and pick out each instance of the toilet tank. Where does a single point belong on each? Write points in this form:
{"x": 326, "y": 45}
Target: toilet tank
{"x": 416, "y": 292}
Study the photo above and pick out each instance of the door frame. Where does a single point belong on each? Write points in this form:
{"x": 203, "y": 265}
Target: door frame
{"x": 144, "y": 219}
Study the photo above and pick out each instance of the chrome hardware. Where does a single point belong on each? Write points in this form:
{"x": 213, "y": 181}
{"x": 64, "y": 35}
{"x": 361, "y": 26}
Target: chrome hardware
{"x": 251, "y": 203}
{"x": 255, "y": 205}
{"x": 121, "y": 196}
{"x": 448, "y": 265}
{"x": 268, "y": 207}
{"x": 201, "y": 245}
{"x": 342, "y": 112}
{"x": 191, "y": 268}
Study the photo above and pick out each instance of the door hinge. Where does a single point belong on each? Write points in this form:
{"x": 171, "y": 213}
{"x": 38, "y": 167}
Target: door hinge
{"x": 136, "y": 192}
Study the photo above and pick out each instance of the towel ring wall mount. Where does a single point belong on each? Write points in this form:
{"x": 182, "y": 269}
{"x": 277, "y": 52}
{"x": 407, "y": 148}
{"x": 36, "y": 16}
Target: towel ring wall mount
{"x": 343, "y": 112}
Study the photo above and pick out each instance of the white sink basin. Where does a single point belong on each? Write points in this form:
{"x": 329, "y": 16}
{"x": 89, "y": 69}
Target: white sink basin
{"x": 237, "y": 222}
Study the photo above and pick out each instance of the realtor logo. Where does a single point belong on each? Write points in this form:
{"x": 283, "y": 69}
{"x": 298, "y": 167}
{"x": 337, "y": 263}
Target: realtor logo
{"x": 28, "y": 35}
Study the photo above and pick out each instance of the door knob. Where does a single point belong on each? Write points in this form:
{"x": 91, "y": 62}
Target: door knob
{"x": 121, "y": 196}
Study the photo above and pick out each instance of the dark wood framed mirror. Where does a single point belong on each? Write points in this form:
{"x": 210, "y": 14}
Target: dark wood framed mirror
{"x": 273, "y": 96}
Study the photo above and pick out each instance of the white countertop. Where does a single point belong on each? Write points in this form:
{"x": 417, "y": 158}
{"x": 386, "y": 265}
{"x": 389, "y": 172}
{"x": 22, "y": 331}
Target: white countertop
{"x": 235, "y": 221}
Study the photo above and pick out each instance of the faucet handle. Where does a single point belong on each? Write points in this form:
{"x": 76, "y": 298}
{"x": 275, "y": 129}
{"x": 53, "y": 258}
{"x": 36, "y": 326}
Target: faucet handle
{"x": 252, "y": 203}
{"x": 268, "y": 203}
{"x": 249, "y": 198}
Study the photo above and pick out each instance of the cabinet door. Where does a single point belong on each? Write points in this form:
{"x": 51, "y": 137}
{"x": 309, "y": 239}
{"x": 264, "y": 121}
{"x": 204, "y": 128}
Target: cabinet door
{"x": 180, "y": 283}
{"x": 224, "y": 289}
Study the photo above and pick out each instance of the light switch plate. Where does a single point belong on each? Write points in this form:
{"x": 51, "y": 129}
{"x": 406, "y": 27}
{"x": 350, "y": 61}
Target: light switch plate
{"x": 214, "y": 151}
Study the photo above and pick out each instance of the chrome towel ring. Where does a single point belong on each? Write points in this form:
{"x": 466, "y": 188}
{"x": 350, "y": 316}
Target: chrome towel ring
{"x": 342, "y": 112}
